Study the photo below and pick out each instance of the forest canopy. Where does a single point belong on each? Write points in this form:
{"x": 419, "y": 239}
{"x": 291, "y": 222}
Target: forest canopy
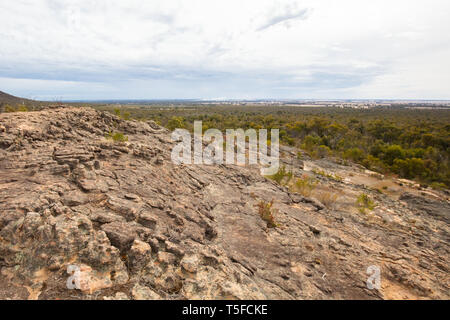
{"x": 411, "y": 143}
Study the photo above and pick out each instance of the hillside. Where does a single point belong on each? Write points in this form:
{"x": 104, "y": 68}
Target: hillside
{"x": 9, "y": 99}
{"x": 140, "y": 227}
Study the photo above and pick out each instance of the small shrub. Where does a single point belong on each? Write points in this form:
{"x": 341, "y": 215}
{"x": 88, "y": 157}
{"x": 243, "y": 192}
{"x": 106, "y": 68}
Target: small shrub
{"x": 117, "y": 136}
{"x": 331, "y": 176}
{"x": 305, "y": 185}
{"x": 124, "y": 115}
{"x": 9, "y": 108}
{"x": 281, "y": 174}
{"x": 438, "y": 186}
{"x": 265, "y": 212}
{"x": 176, "y": 123}
{"x": 17, "y": 108}
{"x": 323, "y": 151}
{"x": 23, "y": 109}
{"x": 364, "y": 202}
{"x": 354, "y": 154}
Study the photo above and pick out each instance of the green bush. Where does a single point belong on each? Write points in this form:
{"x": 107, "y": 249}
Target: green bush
{"x": 17, "y": 108}
{"x": 305, "y": 185}
{"x": 355, "y": 154}
{"x": 281, "y": 174}
{"x": 411, "y": 143}
{"x": 117, "y": 136}
{"x": 364, "y": 202}
{"x": 393, "y": 152}
{"x": 176, "y": 123}
{"x": 323, "y": 151}
{"x": 325, "y": 174}
{"x": 23, "y": 109}
{"x": 122, "y": 114}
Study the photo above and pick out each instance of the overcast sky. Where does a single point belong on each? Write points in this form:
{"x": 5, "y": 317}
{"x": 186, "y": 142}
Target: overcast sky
{"x": 151, "y": 49}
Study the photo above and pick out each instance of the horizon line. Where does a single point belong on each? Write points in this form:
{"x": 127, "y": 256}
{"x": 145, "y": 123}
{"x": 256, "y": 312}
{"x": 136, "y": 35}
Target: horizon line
{"x": 246, "y": 100}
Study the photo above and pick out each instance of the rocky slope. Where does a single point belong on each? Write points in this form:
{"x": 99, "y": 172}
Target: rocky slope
{"x": 140, "y": 227}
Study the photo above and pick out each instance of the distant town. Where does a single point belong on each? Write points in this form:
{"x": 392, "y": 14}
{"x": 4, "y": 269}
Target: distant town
{"x": 356, "y": 104}
{"x": 348, "y": 103}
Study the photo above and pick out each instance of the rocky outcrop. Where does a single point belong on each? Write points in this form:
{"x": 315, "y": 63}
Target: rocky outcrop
{"x": 139, "y": 227}
{"x": 426, "y": 206}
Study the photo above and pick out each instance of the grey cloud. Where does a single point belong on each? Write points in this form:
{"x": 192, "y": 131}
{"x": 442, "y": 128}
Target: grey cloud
{"x": 152, "y": 82}
{"x": 288, "y": 15}
{"x": 275, "y": 83}
{"x": 104, "y": 73}
{"x": 162, "y": 18}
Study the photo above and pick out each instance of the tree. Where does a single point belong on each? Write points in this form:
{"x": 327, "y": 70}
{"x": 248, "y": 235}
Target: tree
{"x": 323, "y": 151}
{"x": 393, "y": 152}
{"x": 355, "y": 154}
{"x": 176, "y": 123}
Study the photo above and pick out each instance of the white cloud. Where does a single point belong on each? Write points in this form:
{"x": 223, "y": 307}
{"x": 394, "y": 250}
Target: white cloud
{"x": 284, "y": 15}
{"x": 209, "y": 48}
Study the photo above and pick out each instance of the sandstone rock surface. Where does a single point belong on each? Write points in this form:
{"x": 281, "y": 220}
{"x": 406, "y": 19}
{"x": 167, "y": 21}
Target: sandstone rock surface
{"x": 141, "y": 227}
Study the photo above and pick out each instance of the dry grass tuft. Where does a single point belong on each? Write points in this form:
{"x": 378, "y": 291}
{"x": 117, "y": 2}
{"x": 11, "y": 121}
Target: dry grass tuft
{"x": 328, "y": 199}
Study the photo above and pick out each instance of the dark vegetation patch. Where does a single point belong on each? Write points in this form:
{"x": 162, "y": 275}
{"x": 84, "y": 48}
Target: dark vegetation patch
{"x": 412, "y": 143}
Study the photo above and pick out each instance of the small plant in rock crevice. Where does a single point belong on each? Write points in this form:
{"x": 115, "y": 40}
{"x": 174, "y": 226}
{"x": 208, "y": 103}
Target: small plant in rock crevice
{"x": 304, "y": 185}
{"x": 266, "y": 213}
{"x": 364, "y": 202}
{"x": 281, "y": 174}
{"x": 117, "y": 136}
